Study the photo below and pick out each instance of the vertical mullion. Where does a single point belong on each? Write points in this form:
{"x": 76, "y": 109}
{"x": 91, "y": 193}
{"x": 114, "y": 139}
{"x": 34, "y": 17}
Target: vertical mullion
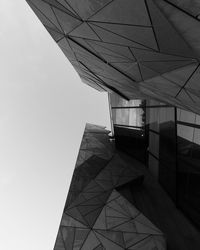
{"x": 176, "y": 158}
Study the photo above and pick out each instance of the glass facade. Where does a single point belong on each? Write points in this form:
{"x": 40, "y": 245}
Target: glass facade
{"x": 126, "y": 113}
{"x": 145, "y": 53}
{"x": 128, "y": 119}
{"x": 188, "y": 172}
{"x": 167, "y": 140}
{"x": 162, "y": 145}
{"x": 174, "y": 155}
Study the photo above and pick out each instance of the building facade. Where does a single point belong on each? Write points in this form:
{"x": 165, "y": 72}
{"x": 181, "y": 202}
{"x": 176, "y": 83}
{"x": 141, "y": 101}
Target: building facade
{"x": 96, "y": 213}
{"x": 145, "y": 54}
{"x": 167, "y": 140}
{"x": 115, "y": 201}
{"x": 135, "y": 48}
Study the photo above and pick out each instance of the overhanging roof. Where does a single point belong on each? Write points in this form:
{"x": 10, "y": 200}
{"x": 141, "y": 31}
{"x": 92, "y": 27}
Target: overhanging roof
{"x": 136, "y": 48}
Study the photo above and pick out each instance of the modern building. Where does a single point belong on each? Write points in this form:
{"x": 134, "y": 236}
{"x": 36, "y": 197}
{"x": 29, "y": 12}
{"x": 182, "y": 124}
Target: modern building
{"x": 97, "y": 214}
{"x": 140, "y": 187}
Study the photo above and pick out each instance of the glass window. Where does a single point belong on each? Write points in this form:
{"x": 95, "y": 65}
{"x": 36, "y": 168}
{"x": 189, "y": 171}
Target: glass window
{"x": 154, "y": 144}
{"x": 128, "y": 117}
{"x": 117, "y": 101}
{"x": 153, "y": 166}
{"x": 186, "y": 116}
{"x": 185, "y": 132}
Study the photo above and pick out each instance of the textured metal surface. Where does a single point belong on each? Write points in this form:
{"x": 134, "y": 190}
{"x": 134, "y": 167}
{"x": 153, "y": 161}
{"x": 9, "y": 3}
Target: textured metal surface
{"x": 136, "y": 48}
{"x": 96, "y": 215}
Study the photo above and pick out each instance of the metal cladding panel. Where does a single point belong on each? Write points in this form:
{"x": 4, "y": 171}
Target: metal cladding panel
{"x": 96, "y": 215}
{"x": 136, "y": 48}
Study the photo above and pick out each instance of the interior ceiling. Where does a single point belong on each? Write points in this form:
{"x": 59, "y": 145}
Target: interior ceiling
{"x": 136, "y": 48}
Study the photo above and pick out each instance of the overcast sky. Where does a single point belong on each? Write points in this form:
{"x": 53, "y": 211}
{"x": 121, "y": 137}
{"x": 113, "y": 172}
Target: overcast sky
{"x": 43, "y": 110}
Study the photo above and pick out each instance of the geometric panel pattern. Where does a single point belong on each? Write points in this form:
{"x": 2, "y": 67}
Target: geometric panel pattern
{"x": 136, "y": 48}
{"x": 96, "y": 216}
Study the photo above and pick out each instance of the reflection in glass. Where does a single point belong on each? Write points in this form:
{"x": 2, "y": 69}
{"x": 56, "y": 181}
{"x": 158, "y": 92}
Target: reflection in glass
{"x": 128, "y": 117}
{"x": 153, "y": 166}
{"x": 188, "y": 173}
{"x": 117, "y": 101}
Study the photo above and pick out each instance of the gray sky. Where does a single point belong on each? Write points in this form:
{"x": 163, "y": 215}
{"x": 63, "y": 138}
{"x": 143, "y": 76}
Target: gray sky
{"x": 43, "y": 111}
